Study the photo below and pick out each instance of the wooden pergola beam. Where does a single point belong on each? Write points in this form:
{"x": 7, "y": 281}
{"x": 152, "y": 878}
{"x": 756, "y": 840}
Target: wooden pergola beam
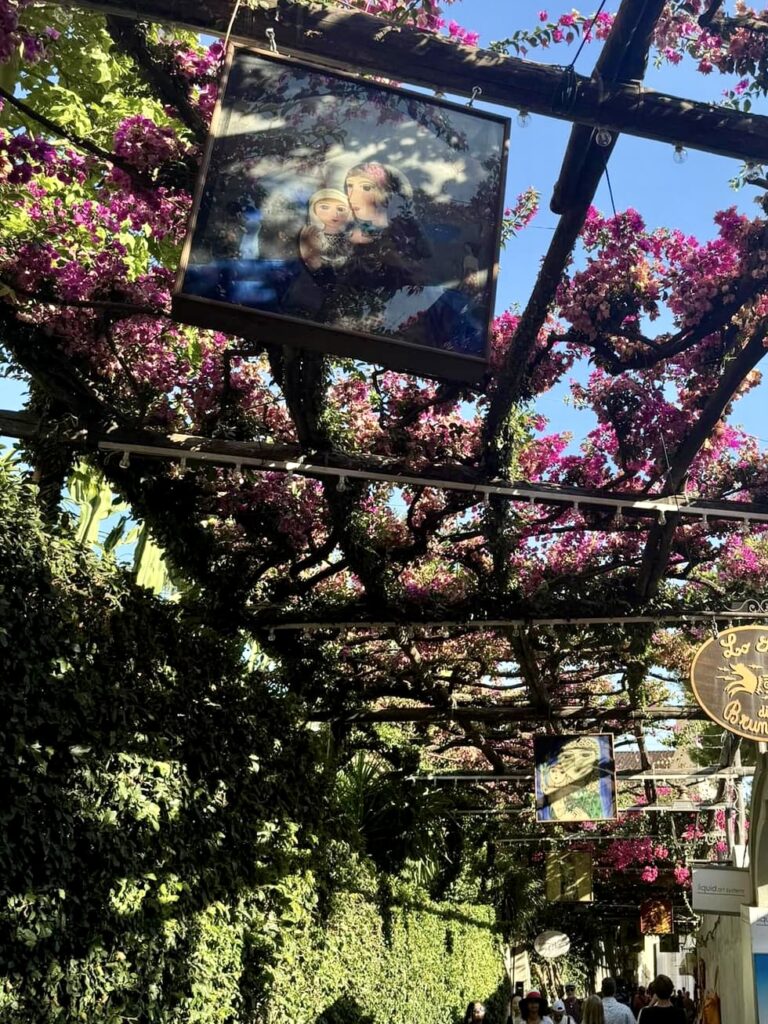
{"x": 629, "y": 774}
{"x": 583, "y": 167}
{"x": 623, "y": 59}
{"x": 355, "y": 41}
{"x": 290, "y": 458}
{"x": 519, "y": 713}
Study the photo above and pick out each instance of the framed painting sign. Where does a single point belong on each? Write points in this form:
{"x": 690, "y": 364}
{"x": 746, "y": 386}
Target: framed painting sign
{"x": 568, "y": 876}
{"x": 575, "y": 778}
{"x": 657, "y": 917}
{"x": 347, "y": 216}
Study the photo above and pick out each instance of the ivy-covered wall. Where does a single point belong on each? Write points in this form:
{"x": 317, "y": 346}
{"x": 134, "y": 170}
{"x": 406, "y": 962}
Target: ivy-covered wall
{"x": 410, "y": 964}
{"x": 149, "y": 851}
{"x": 170, "y": 849}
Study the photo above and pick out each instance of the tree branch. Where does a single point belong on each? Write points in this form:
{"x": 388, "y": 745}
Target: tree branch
{"x": 661, "y": 536}
{"x": 132, "y": 40}
{"x": 84, "y": 144}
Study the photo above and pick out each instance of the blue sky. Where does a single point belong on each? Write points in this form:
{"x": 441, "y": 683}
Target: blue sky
{"x": 643, "y": 175}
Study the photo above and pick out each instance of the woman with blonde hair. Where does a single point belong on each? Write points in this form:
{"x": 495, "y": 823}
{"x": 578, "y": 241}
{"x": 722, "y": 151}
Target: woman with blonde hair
{"x": 592, "y": 1011}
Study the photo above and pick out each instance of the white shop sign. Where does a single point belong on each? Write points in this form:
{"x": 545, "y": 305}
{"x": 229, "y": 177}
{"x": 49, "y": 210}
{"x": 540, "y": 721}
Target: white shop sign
{"x": 551, "y": 945}
{"x": 721, "y": 890}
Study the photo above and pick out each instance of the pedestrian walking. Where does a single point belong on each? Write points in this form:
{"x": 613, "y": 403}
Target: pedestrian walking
{"x": 533, "y": 1009}
{"x": 559, "y": 1013}
{"x": 640, "y": 1000}
{"x": 615, "y": 1012}
{"x": 593, "y": 1011}
{"x": 689, "y": 1007}
{"x": 572, "y": 1003}
{"x": 662, "y": 1011}
{"x": 475, "y": 1014}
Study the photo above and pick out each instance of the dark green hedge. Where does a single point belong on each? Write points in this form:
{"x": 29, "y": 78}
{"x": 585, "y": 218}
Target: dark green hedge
{"x": 414, "y": 964}
{"x": 164, "y": 856}
{"x": 149, "y": 856}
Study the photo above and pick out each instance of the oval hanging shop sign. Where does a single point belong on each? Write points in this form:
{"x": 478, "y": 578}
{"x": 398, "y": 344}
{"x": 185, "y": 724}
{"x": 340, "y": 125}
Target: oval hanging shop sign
{"x": 551, "y": 944}
{"x": 729, "y": 676}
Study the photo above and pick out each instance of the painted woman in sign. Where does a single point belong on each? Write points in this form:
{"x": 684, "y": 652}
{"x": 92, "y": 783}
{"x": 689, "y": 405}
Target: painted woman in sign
{"x": 389, "y": 244}
{"x": 387, "y": 251}
{"x": 570, "y": 782}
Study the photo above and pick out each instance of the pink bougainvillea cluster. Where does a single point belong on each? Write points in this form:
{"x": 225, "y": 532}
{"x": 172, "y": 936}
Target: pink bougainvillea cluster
{"x": 426, "y": 15}
{"x": 16, "y": 42}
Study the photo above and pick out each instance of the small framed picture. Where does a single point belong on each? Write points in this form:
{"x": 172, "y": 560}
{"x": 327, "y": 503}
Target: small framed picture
{"x": 348, "y": 216}
{"x": 575, "y": 778}
{"x": 657, "y": 917}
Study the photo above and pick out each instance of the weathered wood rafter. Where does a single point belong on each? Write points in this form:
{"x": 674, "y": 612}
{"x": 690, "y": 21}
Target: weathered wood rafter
{"x": 583, "y": 166}
{"x": 622, "y": 62}
{"x": 349, "y": 39}
{"x": 290, "y": 458}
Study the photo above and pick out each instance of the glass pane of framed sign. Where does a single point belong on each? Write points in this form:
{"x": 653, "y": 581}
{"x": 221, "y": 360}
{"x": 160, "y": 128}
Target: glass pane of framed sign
{"x": 347, "y": 216}
{"x": 575, "y": 778}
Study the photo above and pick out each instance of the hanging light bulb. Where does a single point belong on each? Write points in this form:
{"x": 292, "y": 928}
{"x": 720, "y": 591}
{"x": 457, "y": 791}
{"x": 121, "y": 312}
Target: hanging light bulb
{"x": 680, "y": 154}
{"x": 523, "y": 118}
{"x": 662, "y": 517}
{"x": 603, "y": 138}
{"x": 125, "y": 461}
{"x": 342, "y": 484}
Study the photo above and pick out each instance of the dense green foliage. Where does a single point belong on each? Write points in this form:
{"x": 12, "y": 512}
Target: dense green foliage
{"x": 137, "y": 761}
{"x": 421, "y": 963}
{"x": 171, "y": 831}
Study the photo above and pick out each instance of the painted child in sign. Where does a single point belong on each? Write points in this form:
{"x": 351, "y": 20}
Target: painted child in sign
{"x": 388, "y": 250}
{"x": 324, "y": 244}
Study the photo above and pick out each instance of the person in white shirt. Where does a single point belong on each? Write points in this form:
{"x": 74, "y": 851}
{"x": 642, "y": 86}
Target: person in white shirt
{"x": 559, "y": 1014}
{"x": 615, "y": 1012}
